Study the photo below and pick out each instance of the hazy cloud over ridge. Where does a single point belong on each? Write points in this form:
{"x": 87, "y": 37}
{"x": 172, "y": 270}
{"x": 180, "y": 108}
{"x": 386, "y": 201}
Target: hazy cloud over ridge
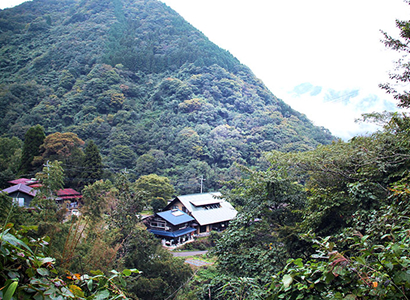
{"x": 337, "y": 110}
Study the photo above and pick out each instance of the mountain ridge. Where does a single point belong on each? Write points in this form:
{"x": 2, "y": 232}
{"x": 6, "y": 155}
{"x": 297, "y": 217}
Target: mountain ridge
{"x": 152, "y": 91}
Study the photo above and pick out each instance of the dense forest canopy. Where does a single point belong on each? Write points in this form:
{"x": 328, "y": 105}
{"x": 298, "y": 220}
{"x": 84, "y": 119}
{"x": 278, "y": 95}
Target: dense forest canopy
{"x": 153, "y": 93}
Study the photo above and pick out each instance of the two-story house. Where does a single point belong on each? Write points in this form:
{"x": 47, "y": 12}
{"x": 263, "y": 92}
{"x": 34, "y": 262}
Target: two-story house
{"x": 210, "y": 211}
{"x": 172, "y": 226}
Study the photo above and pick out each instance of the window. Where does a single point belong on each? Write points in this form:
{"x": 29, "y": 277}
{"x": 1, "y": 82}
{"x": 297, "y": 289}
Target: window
{"x": 19, "y": 201}
{"x": 158, "y": 224}
{"x": 211, "y": 206}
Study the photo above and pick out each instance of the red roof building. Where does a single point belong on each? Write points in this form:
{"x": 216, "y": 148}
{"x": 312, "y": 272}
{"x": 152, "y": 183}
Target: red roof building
{"x": 68, "y": 194}
{"x": 25, "y": 181}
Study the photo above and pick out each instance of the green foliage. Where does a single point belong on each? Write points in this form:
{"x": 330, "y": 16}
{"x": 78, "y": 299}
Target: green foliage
{"x": 158, "y": 190}
{"x": 92, "y": 164}
{"x": 400, "y": 78}
{"x": 128, "y": 203}
{"x": 10, "y": 156}
{"x": 96, "y": 199}
{"x": 27, "y": 273}
{"x": 10, "y": 212}
{"x": 229, "y": 288}
{"x": 52, "y": 180}
{"x": 158, "y": 204}
{"x": 199, "y": 244}
{"x": 354, "y": 193}
{"x": 358, "y": 196}
{"x": 162, "y": 273}
{"x": 121, "y": 157}
{"x": 33, "y": 139}
{"x": 375, "y": 266}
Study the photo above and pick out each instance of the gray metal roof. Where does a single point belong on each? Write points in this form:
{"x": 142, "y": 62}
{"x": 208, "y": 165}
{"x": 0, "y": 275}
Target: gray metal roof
{"x": 195, "y": 205}
{"x": 20, "y": 188}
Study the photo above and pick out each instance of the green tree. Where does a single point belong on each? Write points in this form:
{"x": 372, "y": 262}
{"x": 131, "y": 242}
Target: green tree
{"x": 158, "y": 204}
{"x": 356, "y": 216}
{"x": 402, "y": 45}
{"x": 97, "y": 198}
{"x": 260, "y": 239}
{"x": 121, "y": 157}
{"x": 10, "y": 156}
{"x": 92, "y": 164}
{"x": 162, "y": 273}
{"x": 33, "y": 139}
{"x": 52, "y": 180}
{"x": 127, "y": 204}
{"x": 158, "y": 189}
{"x": 369, "y": 260}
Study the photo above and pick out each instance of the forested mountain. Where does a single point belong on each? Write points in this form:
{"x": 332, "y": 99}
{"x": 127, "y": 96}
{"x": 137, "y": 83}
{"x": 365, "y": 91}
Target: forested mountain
{"x": 152, "y": 91}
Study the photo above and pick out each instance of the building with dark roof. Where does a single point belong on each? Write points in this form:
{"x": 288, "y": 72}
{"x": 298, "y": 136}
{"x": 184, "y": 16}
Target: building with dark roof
{"x": 21, "y": 194}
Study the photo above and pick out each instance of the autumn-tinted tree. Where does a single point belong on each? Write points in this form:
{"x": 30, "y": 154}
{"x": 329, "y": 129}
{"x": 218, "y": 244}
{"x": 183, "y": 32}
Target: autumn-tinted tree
{"x": 65, "y": 147}
{"x": 60, "y": 145}
{"x": 33, "y": 139}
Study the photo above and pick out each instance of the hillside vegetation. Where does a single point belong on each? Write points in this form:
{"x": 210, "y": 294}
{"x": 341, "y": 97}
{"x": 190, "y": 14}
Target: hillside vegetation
{"x": 136, "y": 82}
{"x": 149, "y": 89}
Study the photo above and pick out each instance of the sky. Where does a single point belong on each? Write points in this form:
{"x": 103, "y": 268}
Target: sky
{"x": 324, "y": 58}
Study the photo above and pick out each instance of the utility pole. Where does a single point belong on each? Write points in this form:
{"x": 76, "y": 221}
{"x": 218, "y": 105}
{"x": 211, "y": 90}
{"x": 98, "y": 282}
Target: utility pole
{"x": 48, "y": 168}
{"x": 202, "y": 181}
{"x": 48, "y": 177}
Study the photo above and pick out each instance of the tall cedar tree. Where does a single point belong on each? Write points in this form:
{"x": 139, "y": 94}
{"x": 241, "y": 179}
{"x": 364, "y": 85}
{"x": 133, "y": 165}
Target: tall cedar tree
{"x": 33, "y": 139}
{"x": 92, "y": 165}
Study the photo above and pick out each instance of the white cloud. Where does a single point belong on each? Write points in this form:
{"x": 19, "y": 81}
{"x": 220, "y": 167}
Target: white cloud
{"x": 337, "y": 110}
{"x": 10, "y": 3}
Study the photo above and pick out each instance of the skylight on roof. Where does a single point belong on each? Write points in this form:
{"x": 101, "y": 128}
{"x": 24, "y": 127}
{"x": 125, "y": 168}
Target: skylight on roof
{"x": 177, "y": 213}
